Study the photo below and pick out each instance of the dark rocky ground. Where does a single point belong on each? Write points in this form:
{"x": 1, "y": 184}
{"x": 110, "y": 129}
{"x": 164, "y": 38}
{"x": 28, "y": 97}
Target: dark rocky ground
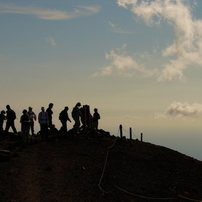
{"x": 73, "y": 169}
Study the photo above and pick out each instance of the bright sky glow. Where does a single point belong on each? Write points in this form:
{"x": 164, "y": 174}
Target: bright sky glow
{"x": 138, "y": 61}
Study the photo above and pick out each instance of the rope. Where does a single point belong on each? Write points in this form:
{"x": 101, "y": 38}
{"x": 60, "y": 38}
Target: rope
{"x": 135, "y": 135}
{"x": 103, "y": 175}
{"x": 144, "y": 197}
{"x": 189, "y": 198}
{"x": 99, "y": 184}
{"x": 128, "y": 132}
{"x": 139, "y": 196}
{"x": 125, "y": 130}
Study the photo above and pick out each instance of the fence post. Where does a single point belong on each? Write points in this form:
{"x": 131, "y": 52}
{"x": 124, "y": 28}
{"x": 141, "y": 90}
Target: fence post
{"x": 121, "y": 131}
{"x": 141, "y": 136}
{"x": 131, "y": 133}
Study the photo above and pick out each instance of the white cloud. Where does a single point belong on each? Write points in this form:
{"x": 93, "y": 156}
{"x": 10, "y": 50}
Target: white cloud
{"x": 124, "y": 65}
{"x": 173, "y": 71}
{"x": 187, "y": 45}
{"x": 50, "y": 41}
{"x": 181, "y": 110}
{"x": 116, "y": 29}
{"x": 88, "y": 10}
{"x": 49, "y": 14}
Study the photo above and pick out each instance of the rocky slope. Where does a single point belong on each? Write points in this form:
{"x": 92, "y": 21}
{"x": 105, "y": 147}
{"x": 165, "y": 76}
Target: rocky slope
{"x": 96, "y": 167}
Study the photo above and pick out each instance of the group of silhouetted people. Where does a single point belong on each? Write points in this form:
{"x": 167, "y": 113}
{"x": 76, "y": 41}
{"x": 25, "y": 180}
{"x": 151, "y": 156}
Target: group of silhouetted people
{"x": 79, "y": 115}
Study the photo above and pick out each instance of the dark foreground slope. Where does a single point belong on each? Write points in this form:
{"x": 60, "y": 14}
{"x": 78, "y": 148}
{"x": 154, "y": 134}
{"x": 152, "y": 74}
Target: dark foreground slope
{"x": 101, "y": 168}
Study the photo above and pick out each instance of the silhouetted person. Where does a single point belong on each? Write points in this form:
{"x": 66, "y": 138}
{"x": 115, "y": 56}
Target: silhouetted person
{"x": 24, "y": 120}
{"x": 10, "y": 116}
{"x": 43, "y": 120}
{"x": 64, "y": 118}
{"x": 32, "y": 118}
{"x": 2, "y": 118}
{"x": 50, "y": 113}
{"x": 96, "y": 117}
{"x": 76, "y": 114}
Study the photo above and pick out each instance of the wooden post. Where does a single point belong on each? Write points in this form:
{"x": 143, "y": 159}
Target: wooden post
{"x": 141, "y": 136}
{"x": 121, "y": 131}
{"x": 131, "y": 133}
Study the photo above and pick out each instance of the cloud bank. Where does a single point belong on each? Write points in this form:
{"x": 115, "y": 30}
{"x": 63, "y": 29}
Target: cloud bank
{"x": 49, "y": 14}
{"x": 178, "y": 109}
{"x": 182, "y": 110}
{"x": 186, "y": 49}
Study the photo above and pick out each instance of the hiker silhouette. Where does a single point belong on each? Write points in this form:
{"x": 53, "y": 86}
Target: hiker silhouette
{"x": 10, "y": 116}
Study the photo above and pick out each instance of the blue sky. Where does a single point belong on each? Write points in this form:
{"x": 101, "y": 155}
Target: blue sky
{"x": 138, "y": 62}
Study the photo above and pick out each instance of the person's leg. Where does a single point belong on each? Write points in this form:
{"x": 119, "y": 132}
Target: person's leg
{"x": 32, "y": 127}
{"x": 65, "y": 127}
{"x": 7, "y": 126}
{"x": 13, "y": 127}
{"x": 42, "y": 131}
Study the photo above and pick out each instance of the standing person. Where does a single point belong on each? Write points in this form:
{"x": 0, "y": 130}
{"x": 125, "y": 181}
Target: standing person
{"x": 32, "y": 118}
{"x": 43, "y": 121}
{"x": 76, "y": 114}
{"x": 10, "y": 116}
{"x": 2, "y": 118}
{"x": 64, "y": 117}
{"x": 50, "y": 113}
{"x": 96, "y": 117}
{"x": 24, "y": 120}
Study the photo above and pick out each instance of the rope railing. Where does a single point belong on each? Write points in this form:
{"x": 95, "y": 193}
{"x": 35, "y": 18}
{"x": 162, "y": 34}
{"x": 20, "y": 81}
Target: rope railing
{"x": 152, "y": 198}
{"x": 189, "y": 199}
{"x": 144, "y": 197}
{"x": 105, "y": 164}
{"x": 128, "y": 132}
{"x": 132, "y": 194}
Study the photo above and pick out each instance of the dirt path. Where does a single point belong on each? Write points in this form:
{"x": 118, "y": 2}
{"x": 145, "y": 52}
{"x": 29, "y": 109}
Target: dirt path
{"x": 62, "y": 170}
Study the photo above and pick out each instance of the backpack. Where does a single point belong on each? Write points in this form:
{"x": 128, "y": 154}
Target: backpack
{"x": 61, "y": 116}
{"x": 13, "y": 115}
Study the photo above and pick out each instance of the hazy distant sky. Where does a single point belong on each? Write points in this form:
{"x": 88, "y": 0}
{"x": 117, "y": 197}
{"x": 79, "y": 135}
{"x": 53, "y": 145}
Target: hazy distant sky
{"x": 139, "y": 62}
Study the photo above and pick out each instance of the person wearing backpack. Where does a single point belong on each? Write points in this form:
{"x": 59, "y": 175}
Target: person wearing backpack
{"x": 10, "y": 116}
{"x": 64, "y": 117}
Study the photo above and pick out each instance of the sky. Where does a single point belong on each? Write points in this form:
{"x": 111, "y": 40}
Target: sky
{"x": 139, "y": 62}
